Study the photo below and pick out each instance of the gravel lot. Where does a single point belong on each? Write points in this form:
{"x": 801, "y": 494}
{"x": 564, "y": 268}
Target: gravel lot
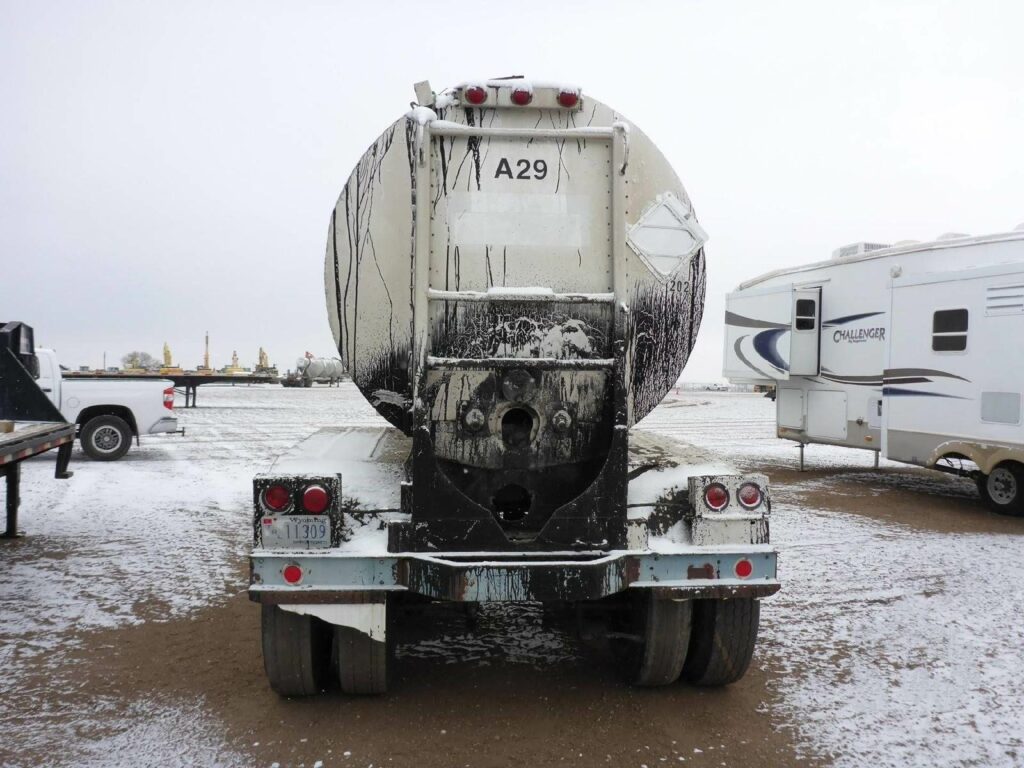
{"x": 128, "y": 639}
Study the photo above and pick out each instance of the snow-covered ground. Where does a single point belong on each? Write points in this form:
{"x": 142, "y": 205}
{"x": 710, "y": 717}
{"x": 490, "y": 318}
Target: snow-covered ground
{"x": 896, "y": 639}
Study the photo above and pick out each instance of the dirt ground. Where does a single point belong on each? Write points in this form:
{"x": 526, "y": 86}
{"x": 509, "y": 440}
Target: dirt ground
{"x": 186, "y": 687}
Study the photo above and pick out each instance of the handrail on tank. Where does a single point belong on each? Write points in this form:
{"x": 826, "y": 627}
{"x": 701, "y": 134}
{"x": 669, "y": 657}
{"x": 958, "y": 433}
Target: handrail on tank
{"x": 561, "y": 298}
{"x": 445, "y": 128}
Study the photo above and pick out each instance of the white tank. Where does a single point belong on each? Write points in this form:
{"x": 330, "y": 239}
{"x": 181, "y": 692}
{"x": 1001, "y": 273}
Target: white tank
{"x": 549, "y": 228}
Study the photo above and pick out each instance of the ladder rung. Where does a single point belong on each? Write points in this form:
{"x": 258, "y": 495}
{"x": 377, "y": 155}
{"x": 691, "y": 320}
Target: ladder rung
{"x": 521, "y": 362}
{"x": 520, "y": 295}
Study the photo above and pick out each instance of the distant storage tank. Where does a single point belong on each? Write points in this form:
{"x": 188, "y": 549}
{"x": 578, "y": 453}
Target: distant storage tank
{"x": 514, "y": 271}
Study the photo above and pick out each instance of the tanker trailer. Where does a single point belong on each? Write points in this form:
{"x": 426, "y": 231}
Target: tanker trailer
{"x": 514, "y": 278}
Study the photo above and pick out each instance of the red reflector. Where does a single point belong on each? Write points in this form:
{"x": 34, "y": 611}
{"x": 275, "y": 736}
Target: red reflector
{"x": 292, "y": 574}
{"x": 521, "y": 97}
{"x": 315, "y": 499}
{"x": 475, "y": 94}
{"x": 276, "y": 497}
{"x": 749, "y": 495}
{"x": 568, "y": 98}
{"x": 744, "y": 568}
{"x": 169, "y": 398}
{"x": 716, "y": 496}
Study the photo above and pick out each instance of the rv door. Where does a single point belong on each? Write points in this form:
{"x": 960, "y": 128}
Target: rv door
{"x": 804, "y": 346}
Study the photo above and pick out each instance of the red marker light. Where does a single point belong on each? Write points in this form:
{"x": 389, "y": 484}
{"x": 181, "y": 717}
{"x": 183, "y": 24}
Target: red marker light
{"x": 169, "y": 398}
{"x": 521, "y": 97}
{"x": 716, "y": 497}
{"x": 744, "y": 568}
{"x": 475, "y": 94}
{"x": 292, "y": 574}
{"x": 315, "y": 499}
{"x": 277, "y": 498}
{"x": 568, "y": 99}
{"x": 749, "y": 495}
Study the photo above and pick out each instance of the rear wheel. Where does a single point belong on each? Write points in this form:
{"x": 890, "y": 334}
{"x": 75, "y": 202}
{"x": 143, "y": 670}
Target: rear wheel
{"x": 652, "y": 647}
{"x": 106, "y": 438}
{"x": 296, "y": 652}
{"x": 722, "y": 641}
{"x": 362, "y": 661}
{"x": 1003, "y": 489}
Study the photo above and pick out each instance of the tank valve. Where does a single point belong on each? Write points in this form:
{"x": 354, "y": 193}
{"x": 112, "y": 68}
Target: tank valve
{"x": 474, "y": 419}
{"x": 561, "y": 421}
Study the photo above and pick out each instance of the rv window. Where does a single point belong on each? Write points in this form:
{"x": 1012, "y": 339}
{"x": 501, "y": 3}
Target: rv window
{"x": 949, "y": 330}
{"x": 805, "y": 313}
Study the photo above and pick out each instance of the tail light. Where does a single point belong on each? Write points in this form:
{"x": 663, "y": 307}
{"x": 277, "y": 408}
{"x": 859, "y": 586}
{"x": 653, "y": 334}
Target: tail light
{"x": 749, "y": 495}
{"x": 744, "y": 568}
{"x": 568, "y": 99}
{"x": 521, "y": 97}
{"x": 475, "y": 94}
{"x": 169, "y": 398}
{"x": 277, "y": 498}
{"x": 716, "y": 496}
{"x": 292, "y": 573}
{"x": 315, "y": 499}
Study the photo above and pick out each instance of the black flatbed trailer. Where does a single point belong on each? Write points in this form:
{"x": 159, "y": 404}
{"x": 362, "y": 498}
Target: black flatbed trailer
{"x": 23, "y": 443}
{"x": 189, "y": 382}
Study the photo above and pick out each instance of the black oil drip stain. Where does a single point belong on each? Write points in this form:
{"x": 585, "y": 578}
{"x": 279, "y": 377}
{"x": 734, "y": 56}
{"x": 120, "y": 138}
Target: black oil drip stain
{"x": 663, "y": 330}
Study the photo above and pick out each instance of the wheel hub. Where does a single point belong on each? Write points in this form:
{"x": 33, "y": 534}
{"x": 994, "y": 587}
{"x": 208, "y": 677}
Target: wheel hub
{"x": 106, "y": 439}
{"x": 1002, "y": 486}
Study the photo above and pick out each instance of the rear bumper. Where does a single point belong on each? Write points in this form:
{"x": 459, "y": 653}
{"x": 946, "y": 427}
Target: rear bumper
{"x": 707, "y": 572}
{"x": 169, "y": 424}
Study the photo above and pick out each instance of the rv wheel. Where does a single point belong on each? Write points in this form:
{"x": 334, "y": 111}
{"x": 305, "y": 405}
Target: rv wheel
{"x": 722, "y": 644}
{"x": 1003, "y": 489}
{"x": 653, "y": 646}
{"x": 296, "y": 652}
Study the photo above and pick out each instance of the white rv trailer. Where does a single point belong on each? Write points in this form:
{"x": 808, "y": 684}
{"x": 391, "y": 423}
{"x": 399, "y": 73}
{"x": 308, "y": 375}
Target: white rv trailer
{"x": 914, "y": 351}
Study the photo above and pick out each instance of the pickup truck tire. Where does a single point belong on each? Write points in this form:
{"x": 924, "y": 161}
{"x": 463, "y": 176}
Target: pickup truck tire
{"x": 296, "y": 652}
{"x": 653, "y": 651}
{"x": 362, "y": 662}
{"x": 105, "y": 438}
{"x": 1003, "y": 489}
{"x": 722, "y": 641}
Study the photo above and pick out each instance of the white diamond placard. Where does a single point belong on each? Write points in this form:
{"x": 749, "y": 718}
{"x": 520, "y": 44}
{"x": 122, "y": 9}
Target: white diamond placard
{"x": 666, "y": 235}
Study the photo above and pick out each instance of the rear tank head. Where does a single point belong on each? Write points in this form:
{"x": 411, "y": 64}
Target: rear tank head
{"x": 516, "y": 269}
{"x": 509, "y": 213}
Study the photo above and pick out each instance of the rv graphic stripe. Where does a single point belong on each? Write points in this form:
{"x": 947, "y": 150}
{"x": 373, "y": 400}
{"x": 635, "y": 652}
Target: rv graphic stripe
{"x": 899, "y": 373}
{"x": 849, "y": 319}
{"x": 743, "y": 358}
{"x": 897, "y": 392}
{"x": 765, "y": 345}
{"x": 731, "y": 318}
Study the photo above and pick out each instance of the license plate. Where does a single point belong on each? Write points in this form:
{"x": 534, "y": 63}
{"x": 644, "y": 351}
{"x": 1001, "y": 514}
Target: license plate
{"x": 304, "y": 531}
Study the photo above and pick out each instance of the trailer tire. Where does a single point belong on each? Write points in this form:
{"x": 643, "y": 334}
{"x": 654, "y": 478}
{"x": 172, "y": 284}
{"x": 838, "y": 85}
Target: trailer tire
{"x": 1003, "y": 489}
{"x": 722, "y": 641}
{"x": 105, "y": 438}
{"x": 362, "y": 662}
{"x": 653, "y": 652}
{"x": 296, "y": 652}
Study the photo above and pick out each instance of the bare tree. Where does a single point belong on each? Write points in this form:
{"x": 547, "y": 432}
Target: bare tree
{"x": 140, "y": 360}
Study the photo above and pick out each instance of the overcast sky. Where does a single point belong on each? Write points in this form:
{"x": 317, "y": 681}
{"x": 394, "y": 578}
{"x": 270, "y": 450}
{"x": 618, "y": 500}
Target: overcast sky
{"x": 169, "y": 168}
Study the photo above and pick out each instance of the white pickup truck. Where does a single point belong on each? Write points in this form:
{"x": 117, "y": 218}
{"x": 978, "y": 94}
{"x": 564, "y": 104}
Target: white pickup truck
{"x": 108, "y": 413}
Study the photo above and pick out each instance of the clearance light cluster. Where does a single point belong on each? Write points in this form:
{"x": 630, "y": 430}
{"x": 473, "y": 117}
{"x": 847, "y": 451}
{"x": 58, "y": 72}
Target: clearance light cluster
{"x": 749, "y": 496}
{"x": 314, "y": 499}
{"x": 478, "y": 96}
